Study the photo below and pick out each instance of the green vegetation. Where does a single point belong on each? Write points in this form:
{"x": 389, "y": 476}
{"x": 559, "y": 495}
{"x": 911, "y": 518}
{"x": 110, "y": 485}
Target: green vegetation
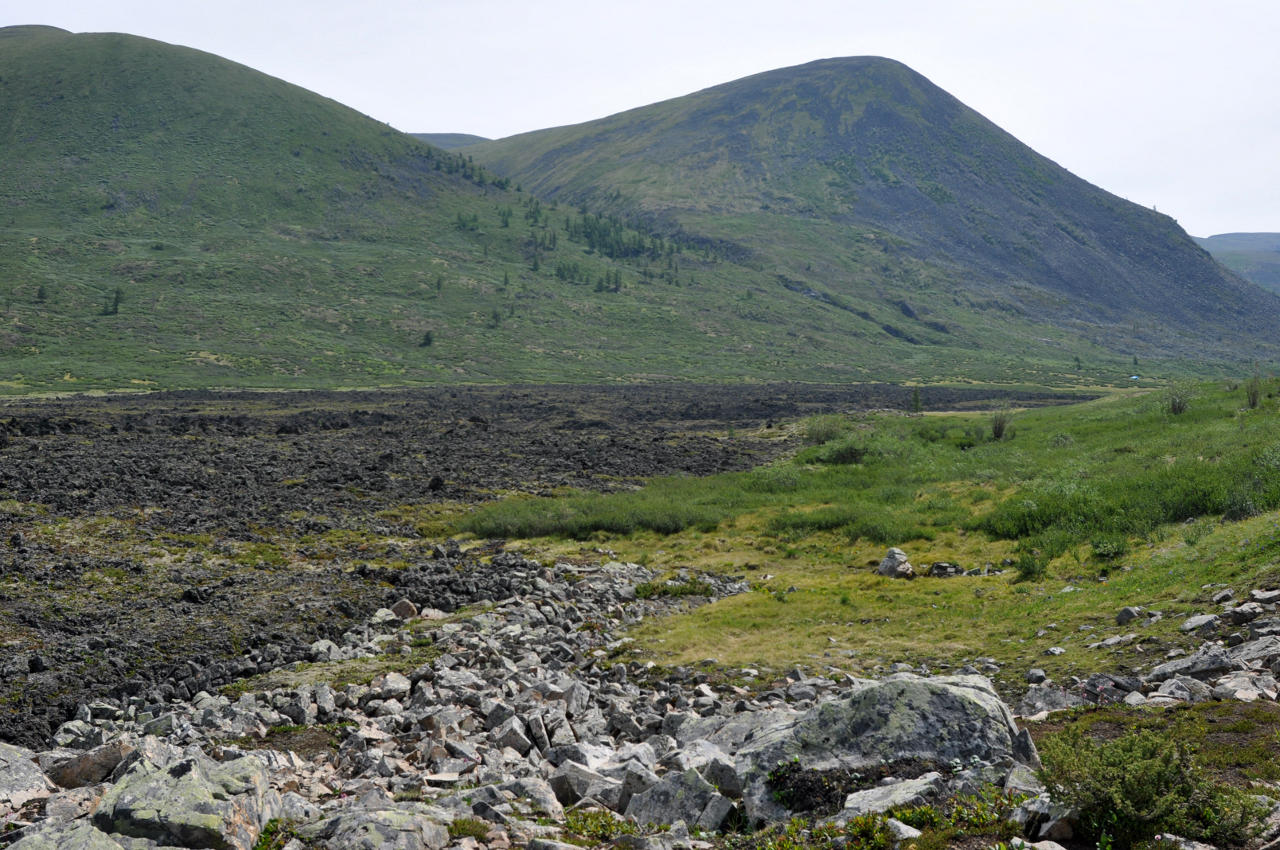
{"x": 1094, "y": 506}
{"x": 182, "y": 221}
{"x": 1140, "y": 784}
{"x": 275, "y": 835}
{"x": 1255, "y": 256}
{"x": 903, "y": 217}
{"x": 469, "y": 828}
{"x": 592, "y": 827}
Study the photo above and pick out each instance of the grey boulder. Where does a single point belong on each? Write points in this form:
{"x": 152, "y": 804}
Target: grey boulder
{"x": 940, "y": 719}
{"x": 192, "y": 802}
{"x": 684, "y": 796}
{"x": 21, "y": 780}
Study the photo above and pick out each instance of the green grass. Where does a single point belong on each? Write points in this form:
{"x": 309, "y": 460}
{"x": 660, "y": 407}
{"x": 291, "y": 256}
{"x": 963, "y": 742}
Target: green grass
{"x": 262, "y": 236}
{"x": 1153, "y": 523}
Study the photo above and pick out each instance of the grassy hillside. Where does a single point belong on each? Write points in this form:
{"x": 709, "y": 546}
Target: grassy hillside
{"x": 859, "y": 179}
{"x": 449, "y": 141}
{"x": 1255, "y": 256}
{"x": 170, "y": 219}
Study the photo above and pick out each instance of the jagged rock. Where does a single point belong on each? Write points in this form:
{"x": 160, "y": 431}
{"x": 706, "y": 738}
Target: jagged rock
{"x": 896, "y": 565}
{"x": 539, "y": 793}
{"x": 1200, "y": 621}
{"x": 324, "y": 650}
{"x": 1266, "y": 597}
{"x": 1185, "y": 689}
{"x": 1205, "y": 662}
{"x": 684, "y": 796}
{"x": 73, "y": 804}
{"x": 908, "y": 792}
{"x": 66, "y": 836}
{"x": 193, "y": 802}
{"x": 90, "y": 768}
{"x": 1047, "y": 696}
{"x": 390, "y": 685}
{"x": 1244, "y": 613}
{"x": 512, "y": 734}
{"x": 404, "y": 609}
{"x": 572, "y": 781}
{"x": 395, "y": 828}
{"x": 1127, "y": 614}
{"x": 943, "y": 718}
{"x": 944, "y": 569}
{"x": 21, "y": 780}
{"x": 78, "y": 735}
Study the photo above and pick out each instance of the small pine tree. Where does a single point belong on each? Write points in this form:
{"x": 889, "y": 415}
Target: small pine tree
{"x": 112, "y": 307}
{"x": 41, "y": 294}
{"x": 916, "y": 404}
{"x": 427, "y": 339}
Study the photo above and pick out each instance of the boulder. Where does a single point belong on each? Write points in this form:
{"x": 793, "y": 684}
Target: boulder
{"x": 394, "y": 828}
{"x": 938, "y": 719}
{"x": 1207, "y": 661}
{"x": 896, "y": 565}
{"x": 683, "y": 796}
{"x": 1127, "y": 614}
{"x": 91, "y": 767}
{"x": 572, "y": 781}
{"x": 66, "y": 836}
{"x": 908, "y": 792}
{"x": 21, "y": 780}
{"x": 193, "y": 802}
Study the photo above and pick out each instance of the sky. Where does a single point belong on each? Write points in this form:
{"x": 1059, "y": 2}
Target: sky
{"x": 1169, "y": 103}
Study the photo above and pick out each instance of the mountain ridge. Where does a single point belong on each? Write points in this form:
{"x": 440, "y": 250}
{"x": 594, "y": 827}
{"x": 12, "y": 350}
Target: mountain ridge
{"x": 865, "y": 143}
{"x": 169, "y": 219}
{"x": 1254, "y": 256}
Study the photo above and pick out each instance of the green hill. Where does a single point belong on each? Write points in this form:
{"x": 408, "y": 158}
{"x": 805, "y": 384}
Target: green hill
{"x": 1255, "y": 256}
{"x": 171, "y": 219}
{"x": 449, "y": 141}
{"x": 860, "y": 180}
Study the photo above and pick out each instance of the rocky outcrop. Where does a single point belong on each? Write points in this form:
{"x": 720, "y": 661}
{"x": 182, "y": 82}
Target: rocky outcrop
{"x": 519, "y": 714}
{"x": 943, "y": 719}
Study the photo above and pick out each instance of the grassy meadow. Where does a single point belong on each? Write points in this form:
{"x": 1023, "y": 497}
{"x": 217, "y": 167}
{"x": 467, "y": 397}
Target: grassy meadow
{"x": 1085, "y": 509}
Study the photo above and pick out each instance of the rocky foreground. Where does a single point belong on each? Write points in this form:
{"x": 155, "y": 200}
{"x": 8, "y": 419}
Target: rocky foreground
{"x": 519, "y": 714}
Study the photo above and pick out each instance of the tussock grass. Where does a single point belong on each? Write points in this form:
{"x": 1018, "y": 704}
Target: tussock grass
{"x": 1094, "y": 507}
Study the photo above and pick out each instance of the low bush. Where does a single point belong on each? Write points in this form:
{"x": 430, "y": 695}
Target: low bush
{"x": 1143, "y": 783}
{"x": 469, "y": 828}
{"x": 824, "y": 428}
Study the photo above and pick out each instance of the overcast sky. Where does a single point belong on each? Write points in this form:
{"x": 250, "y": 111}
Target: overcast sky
{"x": 1169, "y": 103}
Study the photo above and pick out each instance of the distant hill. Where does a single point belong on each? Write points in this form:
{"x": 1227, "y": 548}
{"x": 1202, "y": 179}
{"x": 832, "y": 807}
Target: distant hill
{"x": 861, "y": 181}
{"x": 172, "y": 219}
{"x": 1255, "y": 256}
{"x": 449, "y": 141}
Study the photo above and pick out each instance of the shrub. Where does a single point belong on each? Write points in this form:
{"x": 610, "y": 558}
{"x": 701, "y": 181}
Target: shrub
{"x": 597, "y": 825}
{"x": 1177, "y": 397}
{"x": 1000, "y": 418}
{"x": 846, "y": 451}
{"x": 1253, "y": 391}
{"x": 1131, "y": 788}
{"x": 691, "y": 587}
{"x": 469, "y": 827}
{"x": 1109, "y": 546}
{"x": 1031, "y": 567}
{"x": 824, "y": 428}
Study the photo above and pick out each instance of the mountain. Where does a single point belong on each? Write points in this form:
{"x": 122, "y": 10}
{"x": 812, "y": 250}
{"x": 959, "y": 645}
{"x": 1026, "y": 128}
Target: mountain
{"x": 170, "y": 219}
{"x": 861, "y": 181}
{"x": 449, "y": 141}
{"x": 1255, "y": 256}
